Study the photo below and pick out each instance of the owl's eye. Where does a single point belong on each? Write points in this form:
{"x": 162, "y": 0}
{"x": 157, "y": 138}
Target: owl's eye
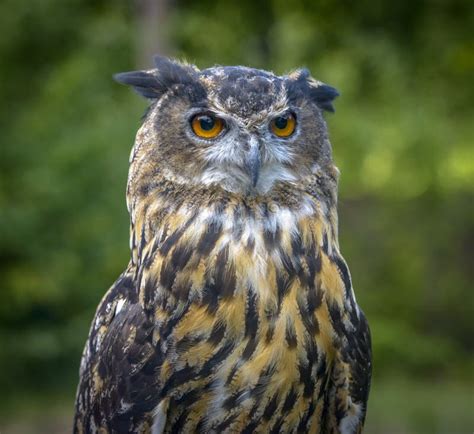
{"x": 207, "y": 126}
{"x": 283, "y": 126}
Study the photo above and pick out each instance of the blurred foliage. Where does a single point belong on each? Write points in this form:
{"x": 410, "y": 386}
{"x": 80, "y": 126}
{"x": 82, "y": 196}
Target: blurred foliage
{"x": 402, "y": 138}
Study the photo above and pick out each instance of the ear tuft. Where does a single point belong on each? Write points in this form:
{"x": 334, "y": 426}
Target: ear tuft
{"x": 143, "y": 82}
{"x": 172, "y": 71}
{"x": 303, "y": 85}
{"x": 323, "y": 95}
{"x": 154, "y": 83}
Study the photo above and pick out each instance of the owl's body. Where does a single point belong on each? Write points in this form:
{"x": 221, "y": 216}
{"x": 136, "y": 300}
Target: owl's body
{"x": 236, "y": 312}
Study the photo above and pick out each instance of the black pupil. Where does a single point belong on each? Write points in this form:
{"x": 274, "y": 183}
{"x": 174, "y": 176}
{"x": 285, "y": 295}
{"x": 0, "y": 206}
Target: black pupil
{"x": 281, "y": 122}
{"x": 207, "y": 123}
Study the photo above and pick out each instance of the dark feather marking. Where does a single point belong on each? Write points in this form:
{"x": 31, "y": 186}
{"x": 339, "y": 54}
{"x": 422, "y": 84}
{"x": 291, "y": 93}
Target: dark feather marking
{"x": 210, "y": 295}
{"x": 322, "y": 376}
{"x": 209, "y": 238}
{"x": 137, "y": 353}
{"x": 181, "y": 290}
{"x": 265, "y": 376}
{"x": 234, "y": 400}
{"x": 289, "y": 401}
{"x": 253, "y": 423}
{"x": 167, "y": 275}
{"x": 325, "y": 412}
{"x": 291, "y": 265}
{"x": 232, "y": 373}
{"x": 153, "y": 364}
{"x": 225, "y": 423}
{"x": 277, "y": 426}
{"x": 251, "y": 315}
{"x": 174, "y": 319}
{"x": 125, "y": 286}
{"x": 325, "y": 243}
{"x": 361, "y": 365}
{"x": 225, "y": 274}
{"x": 187, "y": 398}
{"x": 314, "y": 267}
{"x": 143, "y": 240}
{"x": 213, "y": 362}
{"x": 311, "y": 350}
{"x": 315, "y": 298}
{"x": 147, "y": 188}
{"x": 177, "y": 378}
{"x": 306, "y": 379}
{"x": 175, "y": 236}
{"x": 200, "y": 426}
{"x": 164, "y": 233}
{"x": 309, "y": 319}
{"x": 344, "y": 272}
{"x": 230, "y": 402}
{"x": 102, "y": 368}
{"x": 336, "y": 319}
{"x": 303, "y": 425}
{"x": 145, "y": 404}
{"x": 270, "y": 332}
{"x": 340, "y": 411}
{"x": 290, "y": 336}
{"x": 284, "y": 283}
{"x": 217, "y": 333}
{"x": 170, "y": 268}
{"x": 187, "y": 342}
{"x": 250, "y": 428}
{"x": 297, "y": 244}
{"x": 271, "y": 408}
{"x": 149, "y": 291}
{"x": 248, "y": 211}
{"x": 250, "y": 246}
{"x": 120, "y": 423}
{"x": 249, "y": 348}
{"x": 272, "y": 238}
{"x": 210, "y": 298}
{"x": 178, "y": 425}
{"x": 180, "y": 256}
{"x": 306, "y": 367}
{"x": 150, "y": 254}
{"x": 253, "y": 410}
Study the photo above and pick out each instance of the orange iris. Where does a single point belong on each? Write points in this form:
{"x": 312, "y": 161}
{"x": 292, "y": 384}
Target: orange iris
{"x": 283, "y": 126}
{"x": 207, "y": 126}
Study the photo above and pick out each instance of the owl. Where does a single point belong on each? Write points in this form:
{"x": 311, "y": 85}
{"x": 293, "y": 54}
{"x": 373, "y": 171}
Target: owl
{"x": 236, "y": 312}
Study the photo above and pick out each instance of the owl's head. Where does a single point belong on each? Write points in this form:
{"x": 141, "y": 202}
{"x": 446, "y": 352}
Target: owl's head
{"x": 240, "y": 129}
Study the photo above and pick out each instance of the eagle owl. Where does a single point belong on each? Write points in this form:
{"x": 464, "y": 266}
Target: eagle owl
{"x": 236, "y": 312}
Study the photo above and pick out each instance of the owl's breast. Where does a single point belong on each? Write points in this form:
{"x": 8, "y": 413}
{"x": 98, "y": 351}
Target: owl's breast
{"x": 242, "y": 318}
{"x": 245, "y": 366}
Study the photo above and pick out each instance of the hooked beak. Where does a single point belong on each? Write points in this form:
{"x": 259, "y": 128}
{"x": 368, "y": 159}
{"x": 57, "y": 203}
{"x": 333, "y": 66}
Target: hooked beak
{"x": 253, "y": 162}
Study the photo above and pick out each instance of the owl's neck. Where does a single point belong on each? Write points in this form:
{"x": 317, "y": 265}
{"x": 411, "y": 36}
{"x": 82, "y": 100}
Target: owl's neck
{"x": 163, "y": 206}
{"x": 180, "y": 236}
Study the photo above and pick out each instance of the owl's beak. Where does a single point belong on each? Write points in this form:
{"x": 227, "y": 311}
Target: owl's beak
{"x": 253, "y": 162}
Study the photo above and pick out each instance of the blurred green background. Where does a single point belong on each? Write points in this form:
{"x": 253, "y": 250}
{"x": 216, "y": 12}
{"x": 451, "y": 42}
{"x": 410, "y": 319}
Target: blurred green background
{"x": 402, "y": 137}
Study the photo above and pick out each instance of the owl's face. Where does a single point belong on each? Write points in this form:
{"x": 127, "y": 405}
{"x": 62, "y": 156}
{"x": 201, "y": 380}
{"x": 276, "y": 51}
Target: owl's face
{"x": 241, "y": 129}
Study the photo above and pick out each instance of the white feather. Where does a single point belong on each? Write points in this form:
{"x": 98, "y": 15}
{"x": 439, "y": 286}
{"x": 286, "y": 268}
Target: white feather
{"x": 159, "y": 417}
{"x": 119, "y": 306}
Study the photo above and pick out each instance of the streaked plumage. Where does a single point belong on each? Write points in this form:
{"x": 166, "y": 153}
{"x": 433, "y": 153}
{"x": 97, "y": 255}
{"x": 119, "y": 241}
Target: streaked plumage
{"x": 236, "y": 312}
